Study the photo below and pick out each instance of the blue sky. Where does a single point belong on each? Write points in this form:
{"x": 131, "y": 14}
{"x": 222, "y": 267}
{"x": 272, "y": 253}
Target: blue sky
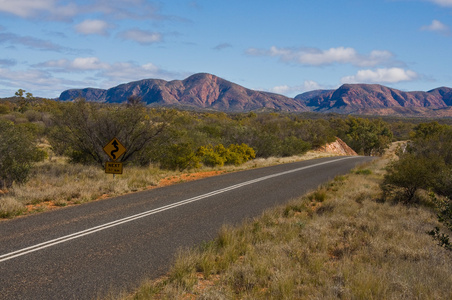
{"x": 284, "y": 46}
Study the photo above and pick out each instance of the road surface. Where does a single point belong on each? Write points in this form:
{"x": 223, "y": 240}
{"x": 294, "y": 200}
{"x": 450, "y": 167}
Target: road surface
{"x": 86, "y": 251}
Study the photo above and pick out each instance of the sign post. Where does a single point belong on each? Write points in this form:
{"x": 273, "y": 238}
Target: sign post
{"x": 114, "y": 150}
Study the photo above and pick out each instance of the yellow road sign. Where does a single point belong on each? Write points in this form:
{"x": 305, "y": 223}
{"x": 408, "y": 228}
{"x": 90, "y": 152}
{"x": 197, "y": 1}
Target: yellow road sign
{"x": 114, "y": 149}
{"x": 113, "y": 167}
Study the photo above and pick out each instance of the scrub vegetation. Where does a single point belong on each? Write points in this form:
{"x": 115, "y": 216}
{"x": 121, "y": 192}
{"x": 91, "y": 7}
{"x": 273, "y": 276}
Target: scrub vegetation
{"x": 425, "y": 164}
{"x": 342, "y": 241}
{"x": 51, "y": 152}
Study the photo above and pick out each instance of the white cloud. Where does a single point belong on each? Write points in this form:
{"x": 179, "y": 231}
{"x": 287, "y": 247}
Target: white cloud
{"x": 83, "y": 64}
{"x": 318, "y": 57}
{"x": 129, "y": 71}
{"x": 40, "y": 83}
{"x": 35, "y": 43}
{"x": 438, "y": 27}
{"x": 222, "y": 46}
{"x": 88, "y": 63}
{"x": 126, "y": 9}
{"x": 109, "y": 74}
{"x": 50, "y": 78}
{"x": 385, "y": 75}
{"x": 63, "y": 10}
{"x": 32, "y": 8}
{"x": 93, "y": 27}
{"x": 8, "y": 62}
{"x": 442, "y": 2}
{"x": 282, "y": 89}
{"x": 26, "y": 76}
{"x": 78, "y": 64}
{"x": 25, "y": 8}
{"x": 308, "y": 85}
{"x": 141, "y": 36}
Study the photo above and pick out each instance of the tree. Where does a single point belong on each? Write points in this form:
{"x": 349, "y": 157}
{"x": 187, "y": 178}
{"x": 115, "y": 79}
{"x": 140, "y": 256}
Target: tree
{"x": 82, "y": 129}
{"x": 24, "y": 102}
{"x": 428, "y": 131}
{"x": 409, "y": 174}
{"x": 134, "y": 100}
{"x": 18, "y": 153}
{"x": 19, "y": 93}
{"x": 367, "y": 137}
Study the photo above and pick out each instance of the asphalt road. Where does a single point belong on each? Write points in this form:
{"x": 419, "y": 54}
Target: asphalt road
{"x": 86, "y": 251}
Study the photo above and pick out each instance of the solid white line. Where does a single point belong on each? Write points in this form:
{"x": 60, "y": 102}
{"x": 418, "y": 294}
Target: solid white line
{"x": 91, "y": 230}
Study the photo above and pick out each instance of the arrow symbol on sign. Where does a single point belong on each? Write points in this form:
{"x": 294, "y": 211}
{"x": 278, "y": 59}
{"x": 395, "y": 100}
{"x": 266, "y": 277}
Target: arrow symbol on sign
{"x": 112, "y": 153}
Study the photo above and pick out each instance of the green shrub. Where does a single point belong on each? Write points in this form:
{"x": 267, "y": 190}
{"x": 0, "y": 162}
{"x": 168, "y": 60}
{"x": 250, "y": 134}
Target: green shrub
{"x": 209, "y": 157}
{"x": 219, "y": 155}
{"x": 4, "y": 109}
{"x": 363, "y": 172}
{"x": 294, "y": 146}
{"x": 239, "y": 154}
{"x": 179, "y": 156}
{"x": 425, "y": 163}
{"x": 444, "y": 208}
{"x": 318, "y": 195}
{"x": 18, "y": 152}
{"x": 406, "y": 176}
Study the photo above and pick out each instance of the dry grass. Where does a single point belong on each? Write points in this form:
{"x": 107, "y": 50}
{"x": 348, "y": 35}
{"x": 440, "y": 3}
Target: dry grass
{"x": 56, "y": 183}
{"x": 338, "y": 242}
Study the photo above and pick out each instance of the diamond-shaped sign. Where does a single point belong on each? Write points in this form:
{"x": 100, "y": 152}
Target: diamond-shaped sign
{"x": 114, "y": 149}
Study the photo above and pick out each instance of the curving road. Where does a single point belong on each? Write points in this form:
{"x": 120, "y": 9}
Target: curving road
{"x": 86, "y": 251}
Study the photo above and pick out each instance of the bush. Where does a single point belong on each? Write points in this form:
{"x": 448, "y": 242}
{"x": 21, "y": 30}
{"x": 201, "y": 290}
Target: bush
{"x": 239, "y": 154}
{"x": 179, "y": 156}
{"x": 18, "y": 152}
{"x": 209, "y": 157}
{"x": 444, "y": 207}
{"x": 4, "y": 109}
{"x": 294, "y": 146}
{"x": 266, "y": 144}
{"x": 407, "y": 175}
{"x": 219, "y": 155}
{"x": 424, "y": 164}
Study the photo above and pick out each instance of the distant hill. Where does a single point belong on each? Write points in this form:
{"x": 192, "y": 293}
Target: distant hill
{"x": 199, "y": 91}
{"x": 206, "y": 91}
{"x": 378, "y": 99}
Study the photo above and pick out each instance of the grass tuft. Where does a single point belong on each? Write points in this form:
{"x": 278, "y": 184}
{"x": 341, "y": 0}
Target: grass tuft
{"x": 10, "y": 207}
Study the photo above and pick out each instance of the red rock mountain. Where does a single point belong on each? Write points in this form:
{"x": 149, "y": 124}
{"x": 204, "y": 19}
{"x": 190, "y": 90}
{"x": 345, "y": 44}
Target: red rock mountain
{"x": 377, "y": 99}
{"x": 206, "y": 91}
{"x": 199, "y": 91}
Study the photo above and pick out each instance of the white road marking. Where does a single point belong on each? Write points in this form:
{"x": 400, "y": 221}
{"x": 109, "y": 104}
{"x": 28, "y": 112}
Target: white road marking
{"x": 88, "y": 231}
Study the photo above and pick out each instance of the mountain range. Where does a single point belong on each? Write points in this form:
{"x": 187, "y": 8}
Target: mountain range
{"x": 378, "y": 99}
{"x": 207, "y": 91}
{"x": 201, "y": 90}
